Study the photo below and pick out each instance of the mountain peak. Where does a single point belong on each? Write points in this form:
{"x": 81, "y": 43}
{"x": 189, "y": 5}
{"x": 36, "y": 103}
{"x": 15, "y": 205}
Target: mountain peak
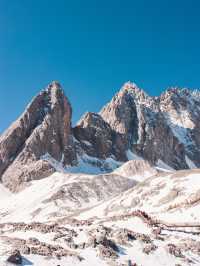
{"x": 54, "y": 85}
{"x": 44, "y": 128}
{"x": 129, "y": 85}
{"x": 129, "y": 88}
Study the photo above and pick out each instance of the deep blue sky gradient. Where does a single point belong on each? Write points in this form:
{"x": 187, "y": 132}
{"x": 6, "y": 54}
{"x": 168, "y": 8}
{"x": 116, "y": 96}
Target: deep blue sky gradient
{"x": 92, "y": 47}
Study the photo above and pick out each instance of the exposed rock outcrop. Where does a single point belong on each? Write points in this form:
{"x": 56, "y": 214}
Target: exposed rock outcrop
{"x": 94, "y": 135}
{"x": 15, "y": 258}
{"x": 98, "y": 139}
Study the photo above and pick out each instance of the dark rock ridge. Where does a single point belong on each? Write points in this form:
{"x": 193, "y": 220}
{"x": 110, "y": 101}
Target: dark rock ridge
{"x": 15, "y": 258}
{"x": 163, "y": 129}
{"x": 98, "y": 139}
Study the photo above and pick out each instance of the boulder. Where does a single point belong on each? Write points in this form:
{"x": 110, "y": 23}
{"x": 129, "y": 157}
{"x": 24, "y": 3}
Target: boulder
{"x": 15, "y": 257}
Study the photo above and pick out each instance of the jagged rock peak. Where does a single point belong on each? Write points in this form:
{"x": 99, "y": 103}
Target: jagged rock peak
{"x": 43, "y": 129}
{"x": 157, "y": 128}
{"x": 177, "y": 92}
{"x": 129, "y": 85}
{"x": 87, "y": 118}
{"x": 130, "y": 94}
{"x": 54, "y": 85}
{"x": 132, "y": 89}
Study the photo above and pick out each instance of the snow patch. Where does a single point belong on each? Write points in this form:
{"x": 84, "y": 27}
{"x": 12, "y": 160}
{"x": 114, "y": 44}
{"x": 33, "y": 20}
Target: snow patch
{"x": 92, "y": 165}
{"x": 87, "y": 143}
{"x": 163, "y": 166}
{"x": 86, "y": 164}
{"x": 4, "y": 192}
{"x": 132, "y": 156}
{"x": 190, "y": 163}
{"x": 58, "y": 166}
{"x": 137, "y": 170}
{"x": 180, "y": 125}
{"x": 181, "y": 119}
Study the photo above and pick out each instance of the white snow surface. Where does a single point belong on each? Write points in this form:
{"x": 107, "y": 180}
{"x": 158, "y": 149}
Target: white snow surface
{"x": 86, "y": 164}
{"x": 4, "y": 193}
{"x": 180, "y": 124}
{"x": 190, "y": 163}
{"x": 170, "y": 196}
{"x": 163, "y": 166}
{"x": 136, "y": 169}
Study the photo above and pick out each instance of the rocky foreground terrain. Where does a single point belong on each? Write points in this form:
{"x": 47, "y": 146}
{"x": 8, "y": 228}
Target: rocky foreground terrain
{"x": 122, "y": 187}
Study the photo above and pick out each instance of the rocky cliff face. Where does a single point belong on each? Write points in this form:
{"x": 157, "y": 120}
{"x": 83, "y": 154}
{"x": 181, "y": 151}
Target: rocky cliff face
{"x": 44, "y": 128}
{"x": 98, "y": 139}
{"x": 163, "y": 130}
{"x": 159, "y": 129}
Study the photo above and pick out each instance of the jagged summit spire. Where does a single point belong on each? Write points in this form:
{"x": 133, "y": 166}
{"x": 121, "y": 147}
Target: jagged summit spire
{"x": 129, "y": 85}
{"x": 43, "y": 129}
{"x": 133, "y": 90}
{"x": 54, "y": 84}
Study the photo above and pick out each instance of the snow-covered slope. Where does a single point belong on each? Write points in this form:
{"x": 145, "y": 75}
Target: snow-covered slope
{"x": 174, "y": 196}
{"x": 4, "y": 192}
{"x": 136, "y": 169}
{"x": 105, "y": 219}
{"x": 61, "y": 195}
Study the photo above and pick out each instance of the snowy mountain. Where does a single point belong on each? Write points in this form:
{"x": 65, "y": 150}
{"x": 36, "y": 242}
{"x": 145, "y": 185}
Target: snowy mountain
{"x": 162, "y": 130}
{"x": 120, "y": 188}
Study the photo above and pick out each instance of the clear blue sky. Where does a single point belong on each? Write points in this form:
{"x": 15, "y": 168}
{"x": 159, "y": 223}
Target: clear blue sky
{"x": 92, "y": 47}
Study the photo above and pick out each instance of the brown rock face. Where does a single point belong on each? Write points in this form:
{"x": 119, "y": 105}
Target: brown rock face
{"x": 94, "y": 135}
{"x": 157, "y": 128}
{"x": 98, "y": 139}
{"x": 44, "y": 128}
